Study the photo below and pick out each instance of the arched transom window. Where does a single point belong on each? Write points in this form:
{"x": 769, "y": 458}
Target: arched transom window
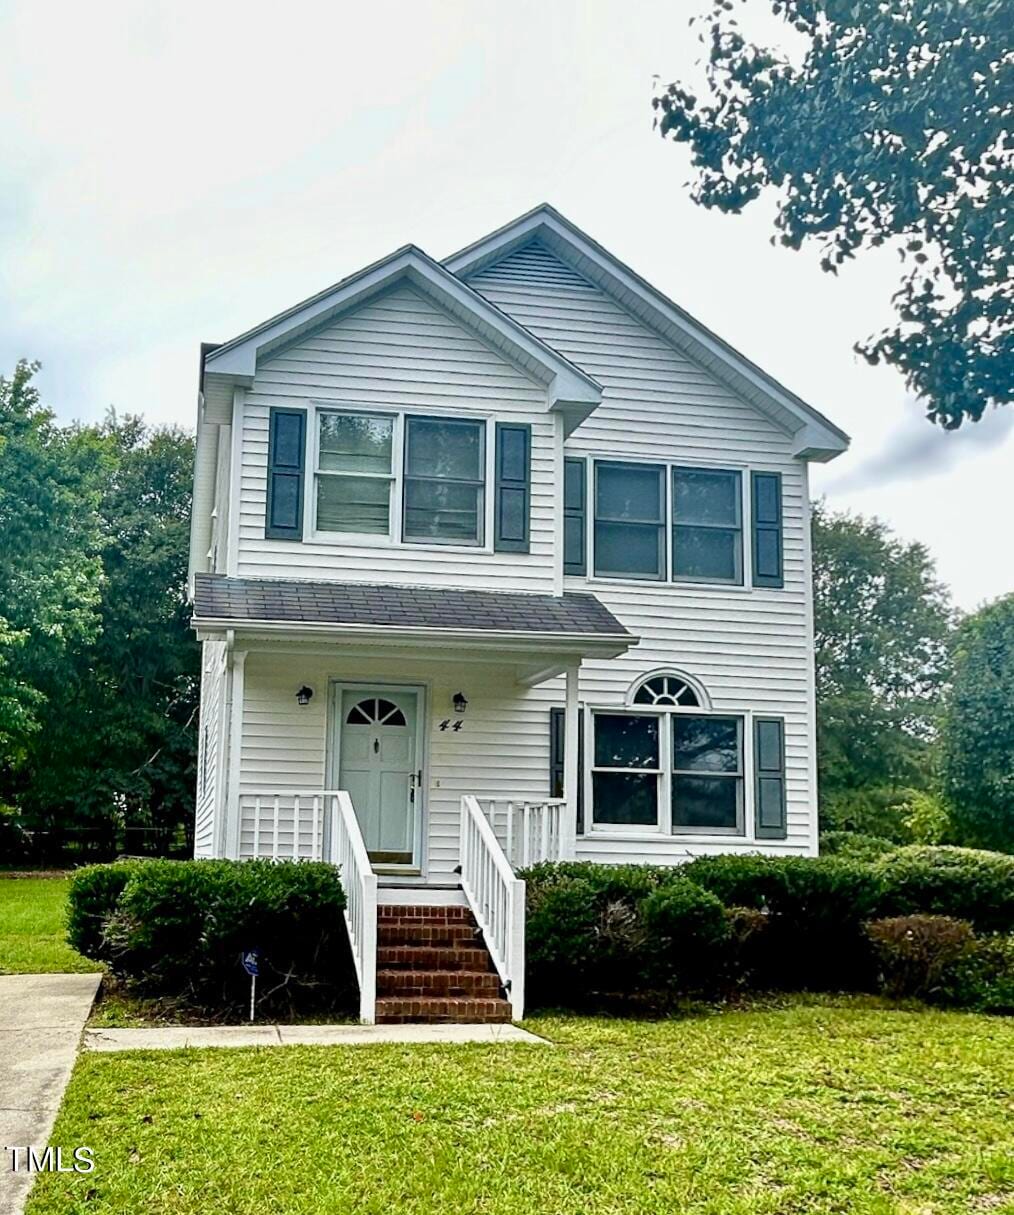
{"x": 666, "y": 690}
{"x": 375, "y": 711}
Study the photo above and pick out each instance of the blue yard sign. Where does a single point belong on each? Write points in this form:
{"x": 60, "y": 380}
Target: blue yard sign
{"x": 249, "y": 958}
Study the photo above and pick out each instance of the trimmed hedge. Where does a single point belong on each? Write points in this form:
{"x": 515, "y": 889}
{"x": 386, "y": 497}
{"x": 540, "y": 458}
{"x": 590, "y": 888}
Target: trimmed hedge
{"x": 964, "y": 883}
{"x": 177, "y": 928}
{"x": 94, "y": 892}
{"x": 788, "y": 923}
{"x": 855, "y": 845}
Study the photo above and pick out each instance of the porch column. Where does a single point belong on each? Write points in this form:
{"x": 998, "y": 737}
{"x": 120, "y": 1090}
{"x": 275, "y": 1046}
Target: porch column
{"x": 233, "y": 824}
{"x": 571, "y": 770}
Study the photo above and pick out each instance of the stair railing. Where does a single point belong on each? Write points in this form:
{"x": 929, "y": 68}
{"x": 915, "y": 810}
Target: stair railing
{"x": 497, "y": 900}
{"x": 346, "y": 849}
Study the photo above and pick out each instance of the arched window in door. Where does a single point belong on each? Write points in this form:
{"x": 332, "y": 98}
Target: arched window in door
{"x": 375, "y": 711}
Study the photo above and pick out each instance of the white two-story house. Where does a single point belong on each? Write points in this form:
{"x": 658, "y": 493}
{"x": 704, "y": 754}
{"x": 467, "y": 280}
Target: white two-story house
{"x": 499, "y": 559}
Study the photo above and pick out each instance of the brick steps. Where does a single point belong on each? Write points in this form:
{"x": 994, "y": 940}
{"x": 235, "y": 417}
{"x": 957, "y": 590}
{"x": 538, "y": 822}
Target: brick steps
{"x": 433, "y": 966}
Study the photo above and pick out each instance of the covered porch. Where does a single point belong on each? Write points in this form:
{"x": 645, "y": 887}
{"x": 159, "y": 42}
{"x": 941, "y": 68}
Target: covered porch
{"x": 416, "y": 756}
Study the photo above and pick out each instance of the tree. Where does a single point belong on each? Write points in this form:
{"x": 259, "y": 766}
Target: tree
{"x": 978, "y": 735}
{"x": 118, "y": 745}
{"x": 882, "y": 624}
{"x": 893, "y": 126}
{"x": 50, "y": 576}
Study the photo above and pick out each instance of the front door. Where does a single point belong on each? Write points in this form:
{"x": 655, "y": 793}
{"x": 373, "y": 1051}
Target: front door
{"x": 378, "y": 768}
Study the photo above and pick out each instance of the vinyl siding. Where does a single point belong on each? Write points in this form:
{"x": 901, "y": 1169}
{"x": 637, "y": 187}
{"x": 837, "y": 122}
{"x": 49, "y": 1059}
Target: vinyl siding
{"x": 210, "y": 766}
{"x": 501, "y": 750}
{"x": 751, "y": 648}
{"x": 399, "y": 352}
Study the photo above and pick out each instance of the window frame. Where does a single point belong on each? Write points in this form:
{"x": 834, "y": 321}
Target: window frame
{"x": 739, "y": 776}
{"x": 739, "y": 578}
{"x": 591, "y": 576}
{"x": 318, "y": 472}
{"x": 662, "y": 526}
{"x": 664, "y": 775}
{"x": 483, "y": 538}
{"x": 394, "y": 538}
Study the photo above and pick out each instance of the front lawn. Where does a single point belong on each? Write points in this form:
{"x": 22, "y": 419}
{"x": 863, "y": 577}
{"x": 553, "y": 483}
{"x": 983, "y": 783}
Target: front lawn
{"x": 32, "y": 928}
{"x": 815, "y": 1108}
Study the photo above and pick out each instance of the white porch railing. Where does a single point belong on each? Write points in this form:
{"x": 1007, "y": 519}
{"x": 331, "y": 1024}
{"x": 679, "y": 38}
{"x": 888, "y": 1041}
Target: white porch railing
{"x": 291, "y": 826}
{"x": 530, "y": 832}
{"x": 347, "y": 850}
{"x": 497, "y": 900}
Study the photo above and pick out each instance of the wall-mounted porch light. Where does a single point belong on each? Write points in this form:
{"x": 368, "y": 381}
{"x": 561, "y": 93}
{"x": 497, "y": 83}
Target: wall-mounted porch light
{"x": 460, "y": 703}
{"x": 304, "y": 695}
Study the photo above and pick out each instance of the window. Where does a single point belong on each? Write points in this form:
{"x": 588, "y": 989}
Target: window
{"x": 354, "y": 473}
{"x": 444, "y": 480}
{"x": 626, "y": 770}
{"x": 630, "y": 520}
{"x": 644, "y": 511}
{"x": 666, "y": 690}
{"x": 707, "y": 767}
{"x": 707, "y": 525}
{"x": 375, "y": 712}
{"x": 673, "y": 769}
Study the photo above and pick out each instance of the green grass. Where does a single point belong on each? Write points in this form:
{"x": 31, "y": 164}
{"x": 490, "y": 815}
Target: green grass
{"x": 32, "y": 929}
{"x": 822, "y": 1109}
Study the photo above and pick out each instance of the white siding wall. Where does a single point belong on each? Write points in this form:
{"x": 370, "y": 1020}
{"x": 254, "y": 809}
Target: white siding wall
{"x": 502, "y": 748}
{"x": 210, "y": 747}
{"x": 751, "y": 648}
{"x": 399, "y": 352}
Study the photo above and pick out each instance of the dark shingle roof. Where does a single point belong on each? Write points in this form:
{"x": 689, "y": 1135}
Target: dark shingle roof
{"x": 217, "y": 597}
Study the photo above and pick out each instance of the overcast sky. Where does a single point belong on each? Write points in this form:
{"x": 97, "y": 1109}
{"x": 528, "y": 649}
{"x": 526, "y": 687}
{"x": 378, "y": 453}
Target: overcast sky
{"x": 176, "y": 173}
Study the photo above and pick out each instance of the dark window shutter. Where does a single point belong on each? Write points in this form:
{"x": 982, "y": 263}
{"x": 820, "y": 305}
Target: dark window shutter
{"x": 575, "y": 515}
{"x": 769, "y": 777}
{"x": 286, "y": 464}
{"x": 557, "y": 725}
{"x": 766, "y": 501}
{"x": 513, "y": 487}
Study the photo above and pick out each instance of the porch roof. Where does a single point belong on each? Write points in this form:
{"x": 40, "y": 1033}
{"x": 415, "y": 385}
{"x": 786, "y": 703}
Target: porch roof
{"x": 419, "y": 611}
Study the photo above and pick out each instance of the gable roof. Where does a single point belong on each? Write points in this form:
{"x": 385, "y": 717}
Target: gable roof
{"x": 815, "y": 436}
{"x": 569, "y": 390}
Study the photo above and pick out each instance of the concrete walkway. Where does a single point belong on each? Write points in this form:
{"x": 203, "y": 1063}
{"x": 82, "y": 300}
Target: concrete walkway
{"x": 173, "y": 1037}
{"x": 41, "y": 1018}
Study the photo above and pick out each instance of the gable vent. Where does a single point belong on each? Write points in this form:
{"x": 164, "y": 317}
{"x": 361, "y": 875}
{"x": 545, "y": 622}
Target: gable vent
{"x": 533, "y": 263}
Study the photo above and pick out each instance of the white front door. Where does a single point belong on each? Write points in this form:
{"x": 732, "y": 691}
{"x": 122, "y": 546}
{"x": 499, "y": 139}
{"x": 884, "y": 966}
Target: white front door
{"x": 378, "y": 768}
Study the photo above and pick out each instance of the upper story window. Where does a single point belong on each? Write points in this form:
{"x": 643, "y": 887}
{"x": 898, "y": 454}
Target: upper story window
{"x": 413, "y": 478}
{"x": 707, "y": 525}
{"x": 662, "y": 522}
{"x": 445, "y": 462}
{"x": 629, "y": 520}
{"x": 354, "y": 473}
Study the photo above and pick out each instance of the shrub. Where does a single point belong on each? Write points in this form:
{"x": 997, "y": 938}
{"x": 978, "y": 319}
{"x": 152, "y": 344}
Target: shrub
{"x": 855, "y": 845}
{"x": 914, "y": 952}
{"x": 584, "y": 933}
{"x": 983, "y": 978}
{"x": 92, "y": 899}
{"x": 817, "y": 907}
{"x": 685, "y": 929}
{"x": 959, "y": 882}
{"x": 178, "y": 928}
